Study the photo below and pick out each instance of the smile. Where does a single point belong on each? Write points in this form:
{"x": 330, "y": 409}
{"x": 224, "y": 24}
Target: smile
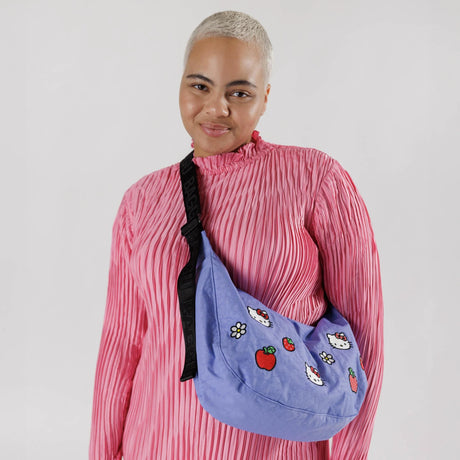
{"x": 214, "y": 130}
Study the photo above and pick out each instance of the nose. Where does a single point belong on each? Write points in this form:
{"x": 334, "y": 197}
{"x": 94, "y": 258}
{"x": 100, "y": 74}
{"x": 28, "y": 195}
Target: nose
{"x": 217, "y": 106}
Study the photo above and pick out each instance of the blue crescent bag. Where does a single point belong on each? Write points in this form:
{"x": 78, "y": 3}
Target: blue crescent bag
{"x": 253, "y": 368}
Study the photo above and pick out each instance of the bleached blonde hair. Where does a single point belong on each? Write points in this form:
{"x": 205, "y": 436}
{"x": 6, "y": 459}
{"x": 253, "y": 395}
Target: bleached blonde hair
{"x": 237, "y": 25}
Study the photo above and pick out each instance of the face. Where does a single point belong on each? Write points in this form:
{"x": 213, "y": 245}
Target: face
{"x": 223, "y": 94}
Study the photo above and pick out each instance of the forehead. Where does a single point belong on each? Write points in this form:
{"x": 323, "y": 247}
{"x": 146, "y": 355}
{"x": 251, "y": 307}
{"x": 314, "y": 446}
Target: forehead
{"x": 225, "y": 57}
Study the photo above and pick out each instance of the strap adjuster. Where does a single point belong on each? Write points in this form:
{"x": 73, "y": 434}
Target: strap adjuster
{"x": 192, "y": 229}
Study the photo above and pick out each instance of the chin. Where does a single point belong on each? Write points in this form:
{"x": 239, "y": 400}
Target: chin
{"x": 214, "y": 148}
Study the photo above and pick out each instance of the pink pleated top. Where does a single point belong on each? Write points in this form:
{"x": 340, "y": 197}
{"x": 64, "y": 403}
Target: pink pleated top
{"x": 289, "y": 225}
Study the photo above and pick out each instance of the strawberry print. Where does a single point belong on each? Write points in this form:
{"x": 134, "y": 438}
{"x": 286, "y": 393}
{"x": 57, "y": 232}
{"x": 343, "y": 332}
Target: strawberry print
{"x": 265, "y": 358}
{"x": 288, "y": 344}
{"x": 361, "y": 362}
{"x": 353, "y": 380}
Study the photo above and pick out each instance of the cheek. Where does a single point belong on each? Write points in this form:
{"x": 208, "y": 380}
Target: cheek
{"x": 251, "y": 114}
{"x": 188, "y": 106}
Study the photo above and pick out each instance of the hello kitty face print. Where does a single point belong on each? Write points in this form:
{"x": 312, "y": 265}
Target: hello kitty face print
{"x": 260, "y": 316}
{"x": 339, "y": 341}
{"x": 313, "y": 375}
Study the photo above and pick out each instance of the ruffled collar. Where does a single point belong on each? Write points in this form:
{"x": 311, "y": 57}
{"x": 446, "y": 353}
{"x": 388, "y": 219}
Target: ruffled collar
{"x": 225, "y": 162}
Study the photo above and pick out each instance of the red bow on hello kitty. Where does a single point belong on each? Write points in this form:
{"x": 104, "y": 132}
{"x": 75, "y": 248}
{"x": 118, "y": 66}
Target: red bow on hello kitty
{"x": 262, "y": 313}
{"x": 341, "y": 336}
{"x": 315, "y": 371}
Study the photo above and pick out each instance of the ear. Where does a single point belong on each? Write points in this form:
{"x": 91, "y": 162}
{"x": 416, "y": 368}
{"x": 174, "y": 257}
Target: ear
{"x": 267, "y": 92}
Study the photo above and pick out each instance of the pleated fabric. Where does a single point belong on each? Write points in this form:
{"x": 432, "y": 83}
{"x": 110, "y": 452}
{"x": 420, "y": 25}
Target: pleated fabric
{"x": 289, "y": 225}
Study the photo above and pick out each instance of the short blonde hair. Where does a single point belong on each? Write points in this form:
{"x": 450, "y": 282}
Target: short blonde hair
{"x": 237, "y": 25}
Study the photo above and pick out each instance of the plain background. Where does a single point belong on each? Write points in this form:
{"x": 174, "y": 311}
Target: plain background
{"x": 88, "y": 105}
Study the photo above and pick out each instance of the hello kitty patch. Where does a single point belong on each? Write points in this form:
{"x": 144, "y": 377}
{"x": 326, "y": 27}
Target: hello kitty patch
{"x": 339, "y": 341}
{"x": 261, "y": 316}
{"x": 313, "y": 375}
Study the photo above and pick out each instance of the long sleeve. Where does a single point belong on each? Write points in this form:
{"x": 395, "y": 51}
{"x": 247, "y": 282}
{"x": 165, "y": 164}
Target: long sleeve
{"x": 351, "y": 274}
{"x": 120, "y": 347}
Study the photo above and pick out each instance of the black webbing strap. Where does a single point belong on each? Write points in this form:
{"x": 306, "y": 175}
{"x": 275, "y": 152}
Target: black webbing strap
{"x": 186, "y": 287}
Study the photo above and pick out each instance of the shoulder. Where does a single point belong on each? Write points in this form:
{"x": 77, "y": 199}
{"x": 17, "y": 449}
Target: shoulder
{"x": 151, "y": 189}
{"x": 309, "y": 160}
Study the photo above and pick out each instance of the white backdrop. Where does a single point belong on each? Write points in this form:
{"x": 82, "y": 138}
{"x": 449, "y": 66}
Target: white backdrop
{"x": 89, "y": 105}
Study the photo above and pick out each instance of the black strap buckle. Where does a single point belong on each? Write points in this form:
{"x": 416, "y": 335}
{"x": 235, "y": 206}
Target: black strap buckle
{"x": 192, "y": 230}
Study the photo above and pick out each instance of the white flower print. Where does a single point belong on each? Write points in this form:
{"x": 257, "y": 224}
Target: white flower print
{"x": 238, "y": 330}
{"x": 326, "y": 357}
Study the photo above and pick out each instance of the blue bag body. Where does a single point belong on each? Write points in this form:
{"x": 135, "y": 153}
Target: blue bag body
{"x": 265, "y": 373}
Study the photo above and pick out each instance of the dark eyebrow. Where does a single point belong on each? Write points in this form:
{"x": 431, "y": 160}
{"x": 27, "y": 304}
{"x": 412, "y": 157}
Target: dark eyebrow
{"x": 201, "y": 77}
{"x": 241, "y": 82}
{"x": 232, "y": 83}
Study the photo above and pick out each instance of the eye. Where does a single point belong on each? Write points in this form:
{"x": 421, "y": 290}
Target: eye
{"x": 200, "y": 86}
{"x": 240, "y": 94}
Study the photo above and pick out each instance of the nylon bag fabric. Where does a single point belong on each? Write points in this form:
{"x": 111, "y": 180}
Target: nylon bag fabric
{"x": 253, "y": 368}
{"x": 265, "y": 373}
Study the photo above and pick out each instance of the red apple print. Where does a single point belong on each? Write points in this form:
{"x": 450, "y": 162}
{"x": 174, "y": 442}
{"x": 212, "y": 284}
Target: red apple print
{"x": 288, "y": 344}
{"x": 265, "y": 358}
{"x": 353, "y": 380}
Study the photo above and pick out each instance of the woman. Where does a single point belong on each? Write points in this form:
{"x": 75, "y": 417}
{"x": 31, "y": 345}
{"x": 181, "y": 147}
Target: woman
{"x": 287, "y": 222}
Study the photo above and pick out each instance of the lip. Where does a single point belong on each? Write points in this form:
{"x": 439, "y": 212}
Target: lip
{"x": 214, "y": 130}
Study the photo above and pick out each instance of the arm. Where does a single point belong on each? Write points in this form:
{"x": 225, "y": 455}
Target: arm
{"x": 351, "y": 274}
{"x": 120, "y": 347}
